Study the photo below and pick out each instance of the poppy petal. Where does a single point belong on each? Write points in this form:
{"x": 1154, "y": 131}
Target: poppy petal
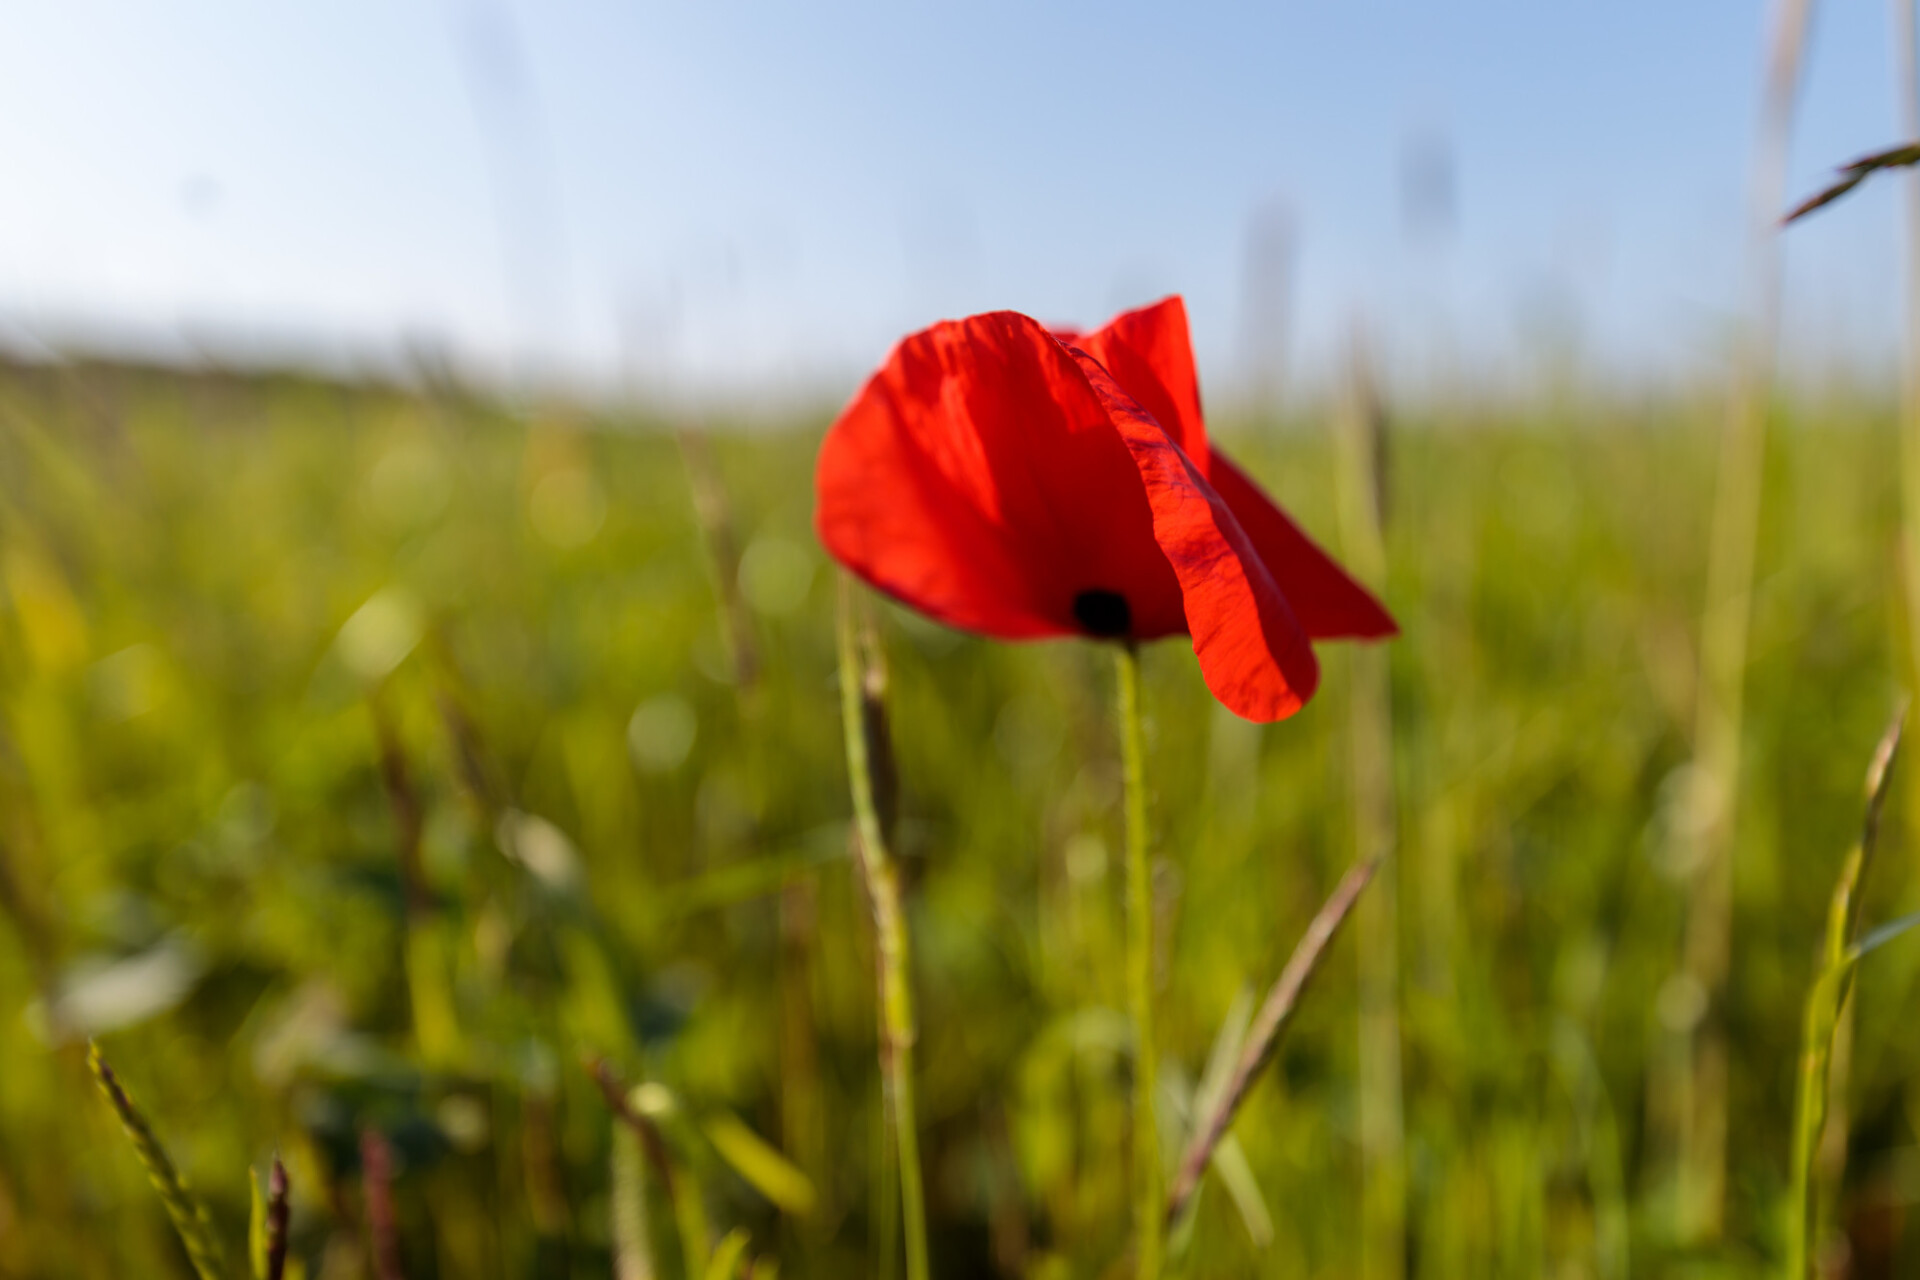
{"x": 977, "y": 478}
{"x": 1149, "y": 352}
{"x": 1328, "y": 603}
{"x": 1253, "y": 653}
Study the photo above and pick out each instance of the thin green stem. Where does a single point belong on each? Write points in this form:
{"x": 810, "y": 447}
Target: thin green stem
{"x": 1809, "y": 1118}
{"x": 1825, "y": 1003}
{"x": 861, "y": 689}
{"x": 1147, "y": 1175}
{"x": 1362, "y": 441}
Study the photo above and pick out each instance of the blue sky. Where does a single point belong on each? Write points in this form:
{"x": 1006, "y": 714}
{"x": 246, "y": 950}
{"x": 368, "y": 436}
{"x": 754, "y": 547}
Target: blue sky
{"x": 737, "y": 195}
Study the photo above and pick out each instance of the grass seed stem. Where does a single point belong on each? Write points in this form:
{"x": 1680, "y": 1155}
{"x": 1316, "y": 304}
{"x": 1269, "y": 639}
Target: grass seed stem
{"x": 863, "y": 709}
{"x": 189, "y": 1214}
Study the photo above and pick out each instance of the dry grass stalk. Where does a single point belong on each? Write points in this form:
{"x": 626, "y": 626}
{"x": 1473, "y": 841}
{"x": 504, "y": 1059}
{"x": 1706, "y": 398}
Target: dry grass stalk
{"x": 1362, "y": 431}
{"x": 714, "y": 511}
{"x": 1906, "y": 59}
{"x": 278, "y": 1214}
{"x": 383, "y": 1230}
{"x": 1264, "y": 1037}
{"x": 689, "y": 1213}
{"x": 1701, "y": 1115}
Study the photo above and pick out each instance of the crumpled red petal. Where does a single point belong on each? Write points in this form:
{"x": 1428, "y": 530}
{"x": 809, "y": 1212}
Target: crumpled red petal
{"x": 1253, "y": 653}
{"x": 1150, "y": 354}
{"x": 976, "y": 477}
{"x": 1328, "y": 603}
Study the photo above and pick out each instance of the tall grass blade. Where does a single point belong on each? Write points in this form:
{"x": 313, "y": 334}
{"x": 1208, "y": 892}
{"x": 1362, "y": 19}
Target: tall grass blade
{"x": 1282, "y": 1001}
{"x": 714, "y": 511}
{"x": 769, "y": 1172}
{"x": 1180, "y": 1103}
{"x": 267, "y": 1224}
{"x": 279, "y": 1212}
{"x": 189, "y": 1215}
{"x": 1362, "y": 490}
{"x": 870, "y": 773}
{"x": 1599, "y": 1132}
{"x": 1228, "y": 1044}
{"x": 1698, "y": 1086}
{"x": 632, "y": 1252}
{"x": 634, "y": 1111}
{"x": 725, "y": 1263}
{"x": 1230, "y": 1165}
{"x": 1839, "y": 956}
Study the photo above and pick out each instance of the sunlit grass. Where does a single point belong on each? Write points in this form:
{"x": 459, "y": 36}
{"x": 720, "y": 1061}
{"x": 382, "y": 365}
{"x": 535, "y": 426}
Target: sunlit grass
{"x": 217, "y": 589}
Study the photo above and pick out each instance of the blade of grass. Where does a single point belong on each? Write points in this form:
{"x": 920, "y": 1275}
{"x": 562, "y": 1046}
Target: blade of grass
{"x": 1700, "y": 1053}
{"x": 1599, "y": 1134}
{"x": 1361, "y": 489}
{"x": 1838, "y": 958}
{"x": 1283, "y": 999}
{"x": 1236, "y": 1175}
{"x": 690, "y": 1216}
{"x": 1228, "y": 1043}
{"x": 753, "y": 1158}
{"x": 725, "y": 1263}
{"x": 383, "y": 1229}
{"x": 714, "y": 512}
{"x": 1852, "y": 174}
{"x": 1180, "y": 1102}
{"x": 870, "y": 773}
{"x": 189, "y": 1215}
{"x": 279, "y": 1211}
{"x": 632, "y": 1251}
{"x": 267, "y": 1224}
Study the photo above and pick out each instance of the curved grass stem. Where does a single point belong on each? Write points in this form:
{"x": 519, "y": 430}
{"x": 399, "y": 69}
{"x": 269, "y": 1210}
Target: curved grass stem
{"x": 862, "y": 705}
{"x": 1147, "y": 1174}
{"x": 1839, "y": 954}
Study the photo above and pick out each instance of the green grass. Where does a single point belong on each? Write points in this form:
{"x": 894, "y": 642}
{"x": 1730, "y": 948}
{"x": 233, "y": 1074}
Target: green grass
{"x": 203, "y": 865}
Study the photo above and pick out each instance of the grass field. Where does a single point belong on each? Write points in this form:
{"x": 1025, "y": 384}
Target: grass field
{"x": 372, "y": 762}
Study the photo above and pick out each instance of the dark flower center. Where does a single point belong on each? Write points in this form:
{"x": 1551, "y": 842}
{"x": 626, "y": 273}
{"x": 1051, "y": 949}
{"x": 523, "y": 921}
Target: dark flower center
{"x": 1103, "y": 613}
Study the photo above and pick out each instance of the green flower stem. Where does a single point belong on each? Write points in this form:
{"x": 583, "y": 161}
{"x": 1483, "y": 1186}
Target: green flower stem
{"x": 861, "y": 711}
{"x": 1147, "y": 1174}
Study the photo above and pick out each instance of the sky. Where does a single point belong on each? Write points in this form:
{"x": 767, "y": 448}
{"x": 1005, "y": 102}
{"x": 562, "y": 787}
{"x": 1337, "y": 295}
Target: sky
{"x": 728, "y": 197}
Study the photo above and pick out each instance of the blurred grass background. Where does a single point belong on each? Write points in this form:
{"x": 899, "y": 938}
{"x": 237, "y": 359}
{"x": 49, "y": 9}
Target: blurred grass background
{"x": 371, "y": 760}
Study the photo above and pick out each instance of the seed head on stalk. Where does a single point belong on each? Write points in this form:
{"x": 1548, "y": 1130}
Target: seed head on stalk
{"x": 190, "y": 1218}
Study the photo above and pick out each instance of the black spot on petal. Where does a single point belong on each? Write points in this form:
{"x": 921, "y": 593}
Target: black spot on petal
{"x": 1103, "y": 613}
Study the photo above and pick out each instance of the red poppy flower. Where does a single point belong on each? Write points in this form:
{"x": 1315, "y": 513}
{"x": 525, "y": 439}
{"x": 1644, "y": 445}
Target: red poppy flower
{"x": 1019, "y": 482}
